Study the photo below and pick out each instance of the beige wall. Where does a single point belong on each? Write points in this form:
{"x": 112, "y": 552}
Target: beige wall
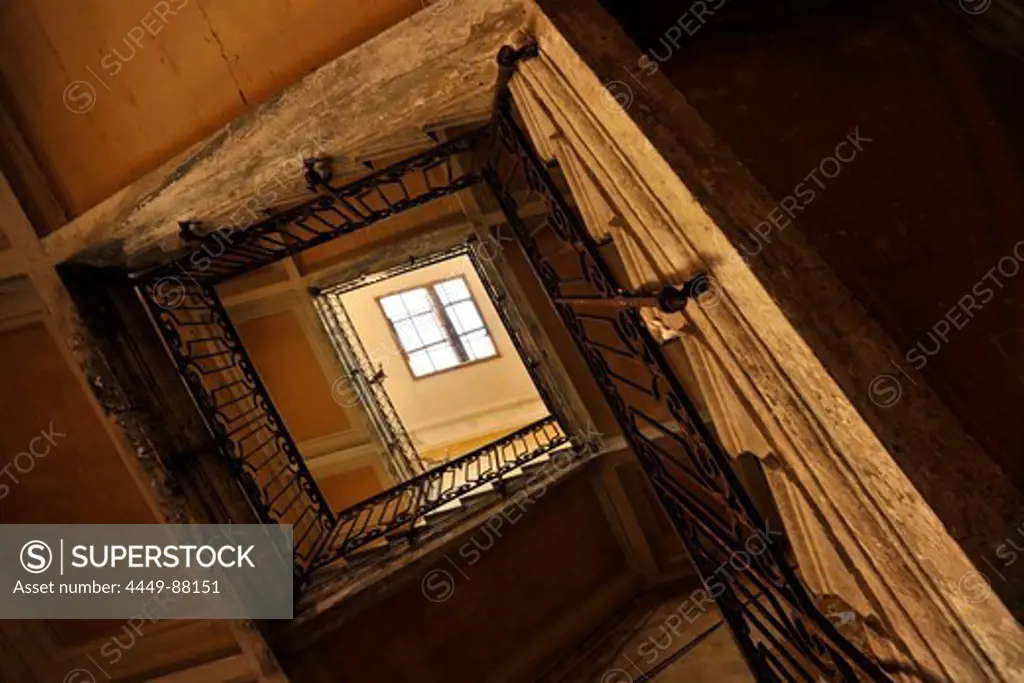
{"x": 460, "y": 404}
{"x": 79, "y": 467}
{"x": 456, "y": 448}
{"x": 97, "y": 119}
{"x": 61, "y": 463}
{"x": 348, "y": 488}
{"x": 297, "y": 367}
{"x": 285, "y": 361}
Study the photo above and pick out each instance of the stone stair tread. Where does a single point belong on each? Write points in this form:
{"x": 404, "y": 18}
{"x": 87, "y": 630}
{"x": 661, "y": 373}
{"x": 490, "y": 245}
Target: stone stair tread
{"x": 450, "y": 506}
{"x": 487, "y": 488}
{"x": 377, "y": 545}
{"x": 537, "y": 462}
{"x": 404, "y": 528}
{"x": 483, "y": 493}
{"x": 475, "y": 499}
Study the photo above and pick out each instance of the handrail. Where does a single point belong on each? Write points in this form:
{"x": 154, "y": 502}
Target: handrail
{"x": 232, "y": 250}
{"x": 215, "y": 367}
{"x": 769, "y": 610}
{"x": 184, "y": 304}
{"x": 374, "y": 517}
{"x": 778, "y": 627}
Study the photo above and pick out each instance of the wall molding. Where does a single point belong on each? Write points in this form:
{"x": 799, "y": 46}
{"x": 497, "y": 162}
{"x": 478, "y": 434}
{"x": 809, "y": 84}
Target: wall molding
{"x": 899, "y": 548}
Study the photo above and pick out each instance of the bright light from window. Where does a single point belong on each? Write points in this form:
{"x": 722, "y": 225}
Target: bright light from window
{"x": 438, "y": 326}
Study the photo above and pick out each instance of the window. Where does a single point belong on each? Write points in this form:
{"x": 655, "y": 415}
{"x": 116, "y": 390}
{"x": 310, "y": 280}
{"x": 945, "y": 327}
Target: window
{"x": 438, "y": 326}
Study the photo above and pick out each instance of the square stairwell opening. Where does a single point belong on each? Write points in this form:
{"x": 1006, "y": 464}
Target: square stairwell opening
{"x": 356, "y": 410}
{"x": 428, "y": 354}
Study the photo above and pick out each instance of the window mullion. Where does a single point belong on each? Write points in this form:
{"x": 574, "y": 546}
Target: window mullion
{"x": 442, "y": 315}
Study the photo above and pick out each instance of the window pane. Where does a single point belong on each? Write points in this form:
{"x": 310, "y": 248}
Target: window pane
{"x": 443, "y": 356}
{"x": 428, "y": 328}
{"x": 420, "y": 364}
{"x": 441, "y": 289}
{"x": 416, "y": 300}
{"x": 449, "y": 312}
{"x": 425, "y": 331}
{"x": 452, "y": 290}
{"x": 478, "y": 345}
{"x": 393, "y": 307}
{"x": 407, "y": 335}
{"x": 464, "y": 317}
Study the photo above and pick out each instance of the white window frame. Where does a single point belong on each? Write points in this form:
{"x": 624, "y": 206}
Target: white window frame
{"x": 446, "y": 322}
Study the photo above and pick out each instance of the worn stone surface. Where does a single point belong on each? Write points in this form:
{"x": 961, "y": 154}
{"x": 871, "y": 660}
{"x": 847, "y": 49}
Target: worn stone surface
{"x": 972, "y": 496}
{"x": 911, "y": 567}
{"x": 434, "y": 68}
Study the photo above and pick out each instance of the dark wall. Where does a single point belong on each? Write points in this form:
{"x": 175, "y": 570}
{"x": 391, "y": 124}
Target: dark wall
{"x": 922, "y": 225}
{"x": 501, "y": 590}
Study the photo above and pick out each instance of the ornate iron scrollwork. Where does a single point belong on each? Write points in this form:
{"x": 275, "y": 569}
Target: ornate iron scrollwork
{"x": 400, "y": 507}
{"x": 771, "y": 614}
{"x": 330, "y": 212}
{"x": 248, "y": 430}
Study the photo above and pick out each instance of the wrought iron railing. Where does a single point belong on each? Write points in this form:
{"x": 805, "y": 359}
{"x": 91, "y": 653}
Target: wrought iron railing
{"x": 398, "y": 510}
{"x": 248, "y": 430}
{"x": 367, "y": 385}
{"x": 211, "y": 359}
{"x": 331, "y": 212}
{"x": 368, "y": 377}
{"x": 773, "y": 618}
{"x": 234, "y": 403}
